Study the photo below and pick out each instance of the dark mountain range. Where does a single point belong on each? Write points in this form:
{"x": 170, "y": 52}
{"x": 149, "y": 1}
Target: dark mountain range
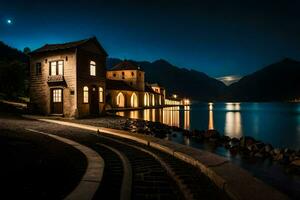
{"x": 14, "y": 71}
{"x": 187, "y": 83}
{"x": 277, "y": 82}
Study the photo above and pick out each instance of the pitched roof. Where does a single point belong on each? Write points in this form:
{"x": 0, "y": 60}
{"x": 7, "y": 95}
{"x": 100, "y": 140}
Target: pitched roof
{"x": 118, "y": 85}
{"x": 126, "y": 65}
{"x": 68, "y": 45}
{"x": 155, "y": 85}
{"x": 149, "y": 89}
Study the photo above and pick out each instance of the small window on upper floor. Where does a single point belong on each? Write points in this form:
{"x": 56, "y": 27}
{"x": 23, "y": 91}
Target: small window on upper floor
{"x": 92, "y": 68}
{"x": 56, "y": 68}
{"x": 114, "y": 74}
{"x": 38, "y": 68}
{"x": 132, "y": 73}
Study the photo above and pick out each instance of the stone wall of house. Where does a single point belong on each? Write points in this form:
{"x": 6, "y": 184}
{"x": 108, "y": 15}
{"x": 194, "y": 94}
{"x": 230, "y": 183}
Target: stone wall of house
{"x": 84, "y": 57}
{"x": 134, "y": 78}
{"x": 40, "y": 89}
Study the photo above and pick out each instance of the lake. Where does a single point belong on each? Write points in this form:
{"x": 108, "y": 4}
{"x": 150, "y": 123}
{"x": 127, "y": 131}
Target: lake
{"x": 274, "y": 123}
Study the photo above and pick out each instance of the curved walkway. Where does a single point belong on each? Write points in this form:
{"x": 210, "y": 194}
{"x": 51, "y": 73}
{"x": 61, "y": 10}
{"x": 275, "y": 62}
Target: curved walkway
{"x": 125, "y": 193}
{"x": 92, "y": 177}
{"x": 235, "y": 181}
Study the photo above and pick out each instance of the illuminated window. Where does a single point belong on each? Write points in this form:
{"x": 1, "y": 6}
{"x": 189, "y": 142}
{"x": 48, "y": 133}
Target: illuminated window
{"x": 85, "y": 94}
{"x": 53, "y": 68}
{"x": 38, "y": 68}
{"x": 101, "y": 94}
{"x": 60, "y": 67}
{"x": 134, "y": 100}
{"x": 57, "y": 95}
{"x": 120, "y": 100}
{"x": 56, "y": 68}
{"x": 92, "y": 68}
{"x": 146, "y": 99}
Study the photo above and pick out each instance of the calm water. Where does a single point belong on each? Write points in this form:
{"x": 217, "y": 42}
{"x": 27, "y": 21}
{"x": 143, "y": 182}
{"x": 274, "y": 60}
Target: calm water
{"x": 274, "y": 123}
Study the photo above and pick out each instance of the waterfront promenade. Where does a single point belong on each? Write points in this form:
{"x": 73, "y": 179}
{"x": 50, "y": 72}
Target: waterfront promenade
{"x": 121, "y": 165}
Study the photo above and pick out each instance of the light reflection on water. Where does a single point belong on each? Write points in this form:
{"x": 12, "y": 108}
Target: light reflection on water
{"x": 169, "y": 115}
{"x": 275, "y": 123}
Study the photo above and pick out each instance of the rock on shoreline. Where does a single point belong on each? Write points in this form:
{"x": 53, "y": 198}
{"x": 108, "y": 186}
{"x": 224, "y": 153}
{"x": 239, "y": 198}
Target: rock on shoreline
{"x": 245, "y": 146}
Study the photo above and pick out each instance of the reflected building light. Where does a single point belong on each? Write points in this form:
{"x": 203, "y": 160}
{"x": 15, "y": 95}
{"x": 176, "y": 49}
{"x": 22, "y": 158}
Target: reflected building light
{"x": 134, "y": 114}
{"x": 186, "y": 118}
{"x": 233, "y": 124}
{"x": 147, "y": 114}
{"x": 121, "y": 113}
{"x": 210, "y": 120}
{"x": 171, "y": 116}
{"x": 153, "y": 115}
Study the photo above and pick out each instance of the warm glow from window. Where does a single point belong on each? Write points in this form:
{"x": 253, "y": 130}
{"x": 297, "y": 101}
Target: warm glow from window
{"x": 85, "y": 94}
{"x": 60, "y": 67}
{"x": 153, "y": 100}
{"x": 146, "y": 99}
{"x": 53, "y": 68}
{"x": 120, "y": 100}
{"x": 56, "y": 68}
{"x": 101, "y": 94}
{"x": 92, "y": 68}
{"x": 134, "y": 100}
{"x": 57, "y": 96}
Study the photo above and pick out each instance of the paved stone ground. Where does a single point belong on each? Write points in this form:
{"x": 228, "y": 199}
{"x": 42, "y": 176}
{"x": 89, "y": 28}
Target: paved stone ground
{"x": 32, "y": 165}
{"x": 150, "y": 179}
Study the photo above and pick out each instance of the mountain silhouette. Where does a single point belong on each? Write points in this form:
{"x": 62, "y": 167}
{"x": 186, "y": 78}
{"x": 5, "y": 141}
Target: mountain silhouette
{"x": 277, "y": 82}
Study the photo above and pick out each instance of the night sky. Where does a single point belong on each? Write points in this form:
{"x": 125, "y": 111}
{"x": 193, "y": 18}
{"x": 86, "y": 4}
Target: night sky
{"x": 219, "y": 38}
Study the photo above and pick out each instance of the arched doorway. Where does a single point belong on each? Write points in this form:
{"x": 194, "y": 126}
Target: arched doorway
{"x": 146, "y": 99}
{"x": 134, "y": 100}
{"x": 121, "y": 100}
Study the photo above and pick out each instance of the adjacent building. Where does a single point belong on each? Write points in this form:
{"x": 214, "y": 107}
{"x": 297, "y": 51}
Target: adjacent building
{"x": 126, "y": 87}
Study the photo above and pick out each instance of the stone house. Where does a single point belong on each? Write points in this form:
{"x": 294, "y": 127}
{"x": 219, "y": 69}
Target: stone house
{"x": 68, "y": 79}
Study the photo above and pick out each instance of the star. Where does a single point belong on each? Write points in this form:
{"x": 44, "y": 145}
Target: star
{"x": 9, "y": 21}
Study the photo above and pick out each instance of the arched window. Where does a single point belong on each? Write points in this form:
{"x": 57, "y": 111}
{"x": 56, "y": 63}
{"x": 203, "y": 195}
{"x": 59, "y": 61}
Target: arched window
{"x": 120, "y": 100}
{"x": 85, "y": 94}
{"x": 134, "y": 100}
{"x": 101, "y": 94}
{"x": 153, "y": 100}
{"x": 92, "y": 68}
{"x": 146, "y": 99}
